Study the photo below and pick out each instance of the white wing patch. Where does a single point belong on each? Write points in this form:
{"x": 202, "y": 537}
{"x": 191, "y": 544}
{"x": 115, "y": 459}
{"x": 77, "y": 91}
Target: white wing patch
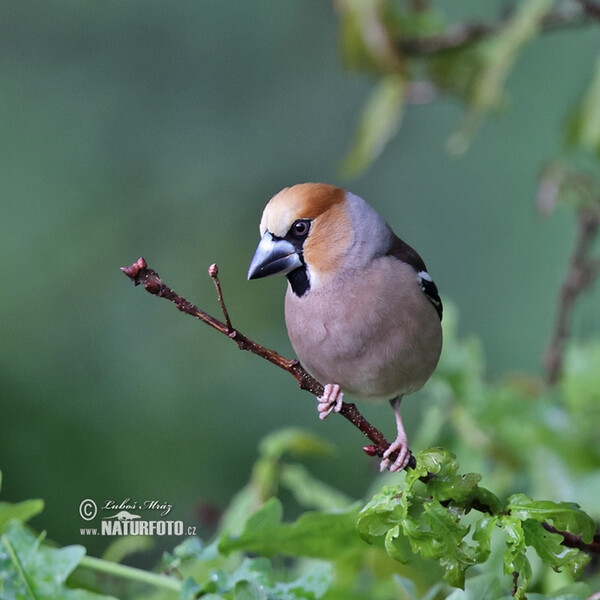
{"x": 430, "y": 290}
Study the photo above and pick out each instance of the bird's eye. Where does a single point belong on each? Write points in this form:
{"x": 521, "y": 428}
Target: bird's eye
{"x": 300, "y": 228}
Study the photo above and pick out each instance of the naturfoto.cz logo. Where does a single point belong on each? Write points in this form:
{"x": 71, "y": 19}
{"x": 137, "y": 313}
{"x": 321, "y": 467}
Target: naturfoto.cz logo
{"x": 124, "y": 522}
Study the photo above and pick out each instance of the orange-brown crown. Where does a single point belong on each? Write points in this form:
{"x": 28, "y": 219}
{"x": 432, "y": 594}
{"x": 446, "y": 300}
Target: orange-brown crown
{"x": 302, "y": 201}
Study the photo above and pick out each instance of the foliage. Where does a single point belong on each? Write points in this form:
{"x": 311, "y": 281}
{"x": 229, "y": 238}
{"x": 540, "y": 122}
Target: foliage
{"x": 437, "y": 534}
{"x": 402, "y": 43}
{"x": 30, "y": 569}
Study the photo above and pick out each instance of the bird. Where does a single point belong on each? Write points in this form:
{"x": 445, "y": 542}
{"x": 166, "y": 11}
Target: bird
{"x": 363, "y": 314}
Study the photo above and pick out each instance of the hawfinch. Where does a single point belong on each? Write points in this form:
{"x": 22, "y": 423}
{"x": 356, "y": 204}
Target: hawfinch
{"x": 362, "y": 312}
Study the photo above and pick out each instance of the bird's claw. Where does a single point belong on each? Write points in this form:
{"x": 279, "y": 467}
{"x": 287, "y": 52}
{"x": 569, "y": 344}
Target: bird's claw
{"x": 401, "y": 444}
{"x": 330, "y": 401}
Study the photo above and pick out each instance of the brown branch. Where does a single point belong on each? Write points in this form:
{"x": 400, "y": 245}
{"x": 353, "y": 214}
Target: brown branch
{"x": 575, "y": 541}
{"x": 457, "y": 36}
{"x": 515, "y": 576}
{"x": 583, "y": 269}
{"x": 141, "y": 274}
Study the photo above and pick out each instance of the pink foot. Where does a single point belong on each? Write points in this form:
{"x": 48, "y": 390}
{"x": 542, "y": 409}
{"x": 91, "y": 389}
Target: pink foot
{"x": 331, "y": 400}
{"x": 400, "y": 443}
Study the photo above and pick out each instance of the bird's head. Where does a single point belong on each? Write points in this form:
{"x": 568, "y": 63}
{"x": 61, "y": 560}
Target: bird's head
{"x": 312, "y": 231}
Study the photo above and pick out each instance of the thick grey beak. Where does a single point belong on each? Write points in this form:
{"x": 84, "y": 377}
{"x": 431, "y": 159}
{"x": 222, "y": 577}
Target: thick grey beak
{"x": 272, "y": 257}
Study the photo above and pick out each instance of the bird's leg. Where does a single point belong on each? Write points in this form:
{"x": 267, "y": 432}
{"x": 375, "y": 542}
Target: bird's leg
{"x": 400, "y": 443}
{"x": 331, "y": 400}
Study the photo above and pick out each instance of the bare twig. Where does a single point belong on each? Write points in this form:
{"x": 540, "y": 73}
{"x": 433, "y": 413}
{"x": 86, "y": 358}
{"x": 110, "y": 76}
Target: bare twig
{"x": 515, "y": 576}
{"x": 565, "y": 15}
{"x": 141, "y": 274}
{"x": 583, "y": 269}
{"x": 213, "y": 271}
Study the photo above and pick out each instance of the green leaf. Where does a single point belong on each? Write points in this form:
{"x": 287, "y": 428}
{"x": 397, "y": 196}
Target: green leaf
{"x": 80, "y": 594}
{"x": 194, "y": 547}
{"x": 364, "y": 40}
{"x": 253, "y": 579}
{"x": 432, "y": 460}
{"x": 457, "y": 488}
{"x": 246, "y": 590}
{"x": 269, "y": 515}
{"x": 255, "y": 570}
{"x": 243, "y": 504}
{"x": 385, "y": 510}
{"x": 396, "y": 545}
{"x": 30, "y": 570}
{"x": 127, "y": 545}
{"x": 445, "y": 542}
{"x": 296, "y": 442}
{"x": 480, "y": 587}
{"x": 583, "y": 128}
{"x": 515, "y": 559}
{"x": 488, "y": 499}
{"x": 501, "y": 54}
{"x": 407, "y": 586}
{"x": 580, "y": 381}
{"x": 434, "y": 530}
{"x": 20, "y": 511}
{"x": 550, "y": 549}
{"x": 521, "y": 28}
{"x": 448, "y": 484}
{"x": 309, "y": 491}
{"x": 268, "y": 472}
{"x": 354, "y": 52}
{"x": 313, "y": 584}
{"x": 327, "y": 534}
{"x": 578, "y": 594}
{"x": 378, "y": 124}
{"x": 482, "y": 536}
{"x": 574, "y": 591}
{"x": 190, "y": 590}
{"x": 565, "y": 516}
{"x": 426, "y": 22}
{"x": 445, "y": 526}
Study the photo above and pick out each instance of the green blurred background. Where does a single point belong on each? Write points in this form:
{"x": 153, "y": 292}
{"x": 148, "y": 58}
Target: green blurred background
{"x": 161, "y": 129}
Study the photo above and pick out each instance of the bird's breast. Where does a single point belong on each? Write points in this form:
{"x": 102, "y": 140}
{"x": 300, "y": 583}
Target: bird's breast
{"x": 372, "y": 332}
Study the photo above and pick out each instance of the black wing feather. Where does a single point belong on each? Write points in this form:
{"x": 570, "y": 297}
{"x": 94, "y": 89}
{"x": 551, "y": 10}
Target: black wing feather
{"x": 402, "y": 251}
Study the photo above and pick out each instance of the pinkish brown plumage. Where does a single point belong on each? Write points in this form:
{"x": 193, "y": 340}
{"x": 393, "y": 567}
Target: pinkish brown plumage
{"x": 362, "y": 313}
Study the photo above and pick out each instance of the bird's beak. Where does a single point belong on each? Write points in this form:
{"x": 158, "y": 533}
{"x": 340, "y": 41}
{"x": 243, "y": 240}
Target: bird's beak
{"x": 272, "y": 257}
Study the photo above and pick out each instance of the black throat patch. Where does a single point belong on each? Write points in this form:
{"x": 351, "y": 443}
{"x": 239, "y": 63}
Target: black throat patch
{"x": 298, "y": 279}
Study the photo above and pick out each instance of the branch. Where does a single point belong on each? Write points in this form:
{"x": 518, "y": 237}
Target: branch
{"x": 141, "y": 274}
{"x": 574, "y": 541}
{"x": 457, "y": 36}
{"x": 583, "y": 269}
